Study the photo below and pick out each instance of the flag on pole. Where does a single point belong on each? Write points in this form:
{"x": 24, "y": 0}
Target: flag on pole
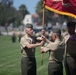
{"x": 63, "y": 7}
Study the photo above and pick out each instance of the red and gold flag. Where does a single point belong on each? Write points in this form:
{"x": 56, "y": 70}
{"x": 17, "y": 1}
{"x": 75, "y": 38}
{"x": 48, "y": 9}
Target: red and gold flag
{"x": 63, "y": 7}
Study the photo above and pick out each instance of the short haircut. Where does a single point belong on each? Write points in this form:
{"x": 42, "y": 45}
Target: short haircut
{"x": 29, "y": 25}
{"x": 71, "y": 24}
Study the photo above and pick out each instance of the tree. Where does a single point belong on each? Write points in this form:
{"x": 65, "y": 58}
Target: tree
{"x": 23, "y": 10}
{"x": 6, "y": 11}
{"x": 6, "y": 3}
{"x": 8, "y": 14}
{"x": 20, "y": 15}
{"x": 39, "y": 10}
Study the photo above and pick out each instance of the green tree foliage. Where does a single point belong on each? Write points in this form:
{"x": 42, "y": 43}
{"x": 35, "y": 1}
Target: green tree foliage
{"x": 20, "y": 14}
{"x": 23, "y": 10}
{"x": 39, "y": 7}
{"x": 6, "y": 3}
{"x": 39, "y": 10}
{"x": 8, "y": 13}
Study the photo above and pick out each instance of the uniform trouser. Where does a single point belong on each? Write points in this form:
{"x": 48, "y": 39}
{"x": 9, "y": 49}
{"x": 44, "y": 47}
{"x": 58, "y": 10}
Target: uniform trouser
{"x": 70, "y": 65}
{"x": 28, "y": 66}
{"x": 55, "y": 68}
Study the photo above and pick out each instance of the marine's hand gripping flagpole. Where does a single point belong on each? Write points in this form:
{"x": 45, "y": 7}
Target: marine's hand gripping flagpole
{"x": 42, "y": 54}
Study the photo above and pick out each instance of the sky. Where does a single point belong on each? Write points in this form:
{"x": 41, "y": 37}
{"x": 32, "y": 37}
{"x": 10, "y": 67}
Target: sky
{"x": 30, "y": 4}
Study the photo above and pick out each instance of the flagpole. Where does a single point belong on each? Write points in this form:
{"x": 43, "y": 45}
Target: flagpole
{"x": 43, "y": 19}
{"x": 43, "y": 10}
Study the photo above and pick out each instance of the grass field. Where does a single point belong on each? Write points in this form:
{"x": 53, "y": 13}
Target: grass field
{"x": 10, "y": 58}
